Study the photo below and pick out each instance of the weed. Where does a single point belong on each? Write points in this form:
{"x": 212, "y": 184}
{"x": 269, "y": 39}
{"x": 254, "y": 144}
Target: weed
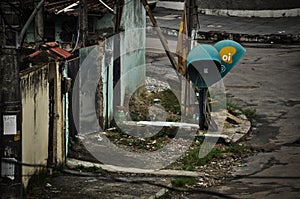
{"x": 139, "y": 105}
{"x": 191, "y": 160}
{"x": 249, "y": 113}
{"x": 183, "y": 181}
{"x": 237, "y": 149}
{"x": 236, "y": 110}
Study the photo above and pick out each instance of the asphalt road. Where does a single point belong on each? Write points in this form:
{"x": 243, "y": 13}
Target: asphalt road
{"x": 266, "y": 80}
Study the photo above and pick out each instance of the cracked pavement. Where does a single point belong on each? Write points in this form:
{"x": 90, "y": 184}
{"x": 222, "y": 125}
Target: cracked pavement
{"x": 267, "y": 80}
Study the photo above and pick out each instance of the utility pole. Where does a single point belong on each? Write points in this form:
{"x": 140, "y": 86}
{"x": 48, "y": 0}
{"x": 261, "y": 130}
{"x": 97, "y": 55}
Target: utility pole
{"x": 118, "y": 10}
{"x": 12, "y": 34}
{"x": 83, "y": 16}
{"x": 39, "y": 27}
{"x": 10, "y": 104}
{"x": 190, "y": 21}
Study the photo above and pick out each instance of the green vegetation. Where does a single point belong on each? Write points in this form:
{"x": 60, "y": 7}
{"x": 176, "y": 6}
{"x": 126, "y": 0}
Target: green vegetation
{"x": 191, "y": 160}
{"x": 183, "y": 181}
{"x": 236, "y": 109}
{"x": 139, "y": 105}
{"x": 237, "y": 149}
{"x": 250, "y": 113}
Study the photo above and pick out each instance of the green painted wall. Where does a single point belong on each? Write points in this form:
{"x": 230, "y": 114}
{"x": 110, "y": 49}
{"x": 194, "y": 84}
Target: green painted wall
{"x": 133, "y": 46}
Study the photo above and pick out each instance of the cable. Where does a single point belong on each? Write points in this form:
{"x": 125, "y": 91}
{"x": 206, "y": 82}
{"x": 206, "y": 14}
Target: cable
{"x": 22, "y": 163}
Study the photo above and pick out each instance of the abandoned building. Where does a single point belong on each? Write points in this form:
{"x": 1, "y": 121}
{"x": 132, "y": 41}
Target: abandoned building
{"x": 61, "y": 38}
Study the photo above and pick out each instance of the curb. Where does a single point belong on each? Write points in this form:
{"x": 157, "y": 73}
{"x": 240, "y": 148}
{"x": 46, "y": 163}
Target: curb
{"x": 238, "y": 37}
{"x": 237, "y": 13}
{"x": 73, "y": 163}
{"x": 170, "y": 5}
{"x": 252, "y": 13}
{"x": 272, "y": 38}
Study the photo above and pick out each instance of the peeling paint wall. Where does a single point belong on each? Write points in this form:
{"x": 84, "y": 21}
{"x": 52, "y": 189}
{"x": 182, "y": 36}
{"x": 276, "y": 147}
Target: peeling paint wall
{"x": 35, "y": 117}
{"x": 90, "y": 88}
{"x": 132, "y": 66}
{"x": 55, "y": 72}
{"x": 35, "y": 113}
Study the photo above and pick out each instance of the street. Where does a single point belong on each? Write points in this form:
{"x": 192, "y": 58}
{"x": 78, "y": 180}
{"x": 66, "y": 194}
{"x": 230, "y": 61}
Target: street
{"x": 267, "y": 80}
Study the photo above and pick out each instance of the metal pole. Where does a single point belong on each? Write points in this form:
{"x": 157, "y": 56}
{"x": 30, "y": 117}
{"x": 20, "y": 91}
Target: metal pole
{"x": 28, "y": 22}
{"x": 202, "y": 96}
{"x": 83, "y": 22}
{"x": 39, "y": 28}
{"x": 160, "y": 34}
{"x": 116, "y": 56}
{"x": 11, "y": 145}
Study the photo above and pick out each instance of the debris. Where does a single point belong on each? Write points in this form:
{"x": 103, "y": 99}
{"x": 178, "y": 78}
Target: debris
{"x": 243, "y": 165}
{"x": 92, "y": 180}
{"x": 156, "y": 100}
{"x": 112, "y": 129}
{"x": 234, "y": 118}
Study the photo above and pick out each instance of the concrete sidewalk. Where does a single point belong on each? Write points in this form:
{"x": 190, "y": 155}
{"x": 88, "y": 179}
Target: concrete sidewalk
{"x": 284, "y": 30}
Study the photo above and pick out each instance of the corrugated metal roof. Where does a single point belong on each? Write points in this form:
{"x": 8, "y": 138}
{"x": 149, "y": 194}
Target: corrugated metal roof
{"x": 93, "y": 6}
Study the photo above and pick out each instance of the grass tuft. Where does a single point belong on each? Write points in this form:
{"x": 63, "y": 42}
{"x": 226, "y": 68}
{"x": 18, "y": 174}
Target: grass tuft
{"x": 183, "y": 181}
